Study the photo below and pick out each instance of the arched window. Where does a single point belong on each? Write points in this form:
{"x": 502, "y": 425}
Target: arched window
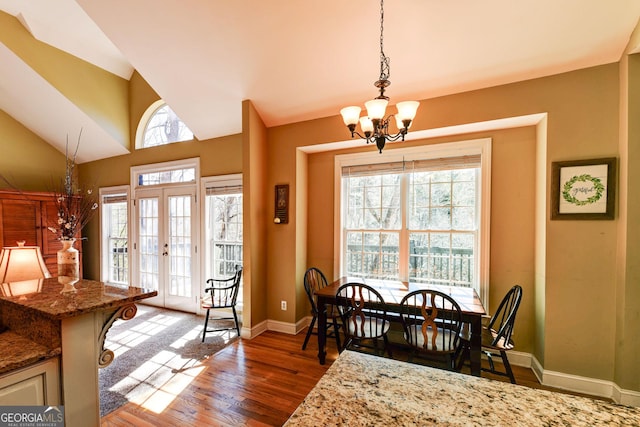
{"x": 162, "y": 127}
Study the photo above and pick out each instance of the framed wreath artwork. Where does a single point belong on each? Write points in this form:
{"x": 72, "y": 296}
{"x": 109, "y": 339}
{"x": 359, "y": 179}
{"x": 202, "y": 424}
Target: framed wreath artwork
{"x": 583, "y": 189}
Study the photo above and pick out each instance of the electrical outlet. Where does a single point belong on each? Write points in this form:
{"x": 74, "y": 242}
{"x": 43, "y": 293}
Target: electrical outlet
{"x": 283, "y": 305}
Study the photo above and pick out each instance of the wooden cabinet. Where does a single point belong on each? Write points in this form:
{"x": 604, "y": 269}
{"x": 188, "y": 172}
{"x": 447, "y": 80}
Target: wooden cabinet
{"x": 26, "y": 216}
{"x": 35, "y": 385}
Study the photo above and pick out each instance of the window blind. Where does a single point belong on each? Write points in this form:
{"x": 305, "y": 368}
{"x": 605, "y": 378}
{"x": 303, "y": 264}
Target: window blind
{"x": 423, "y": 165}
{"x": 114, "y": 198}
{"x": 227, "y": 189}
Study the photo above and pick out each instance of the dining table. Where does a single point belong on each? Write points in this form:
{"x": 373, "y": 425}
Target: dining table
{"x": 392, "y": 292}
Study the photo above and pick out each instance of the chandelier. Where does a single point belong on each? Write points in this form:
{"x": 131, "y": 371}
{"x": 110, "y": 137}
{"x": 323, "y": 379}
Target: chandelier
{"x": 375, "y": 126}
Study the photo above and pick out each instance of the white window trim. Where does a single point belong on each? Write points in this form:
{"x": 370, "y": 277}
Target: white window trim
{"x": 144, "y": 121}
{"x": 449, "y": 149}
{"x": 104, "y": 255}
{"x": 206, "y": 182}
{"x": 162, "y": 167}
{"x": 134, "y": 172}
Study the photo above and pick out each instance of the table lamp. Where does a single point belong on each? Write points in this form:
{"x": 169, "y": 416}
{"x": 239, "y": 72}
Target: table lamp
{"x": 19, "y": 263}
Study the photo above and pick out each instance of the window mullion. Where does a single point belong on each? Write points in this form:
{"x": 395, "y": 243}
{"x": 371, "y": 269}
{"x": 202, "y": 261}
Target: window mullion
{"x": 403, "y": 261}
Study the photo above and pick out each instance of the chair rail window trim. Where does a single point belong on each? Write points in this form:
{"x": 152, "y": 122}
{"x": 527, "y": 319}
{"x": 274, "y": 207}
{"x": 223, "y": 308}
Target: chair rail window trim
{"x": 444, "y": 150}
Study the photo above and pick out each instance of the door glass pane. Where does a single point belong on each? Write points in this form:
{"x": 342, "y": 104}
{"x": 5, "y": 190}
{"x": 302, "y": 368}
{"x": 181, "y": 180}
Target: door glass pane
{"x": 180, "y": 246}
{"x": 149, "y": 271}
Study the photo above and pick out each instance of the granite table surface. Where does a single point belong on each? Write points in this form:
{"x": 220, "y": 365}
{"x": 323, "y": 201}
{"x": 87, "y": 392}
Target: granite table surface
{"x": 365, "y": 390}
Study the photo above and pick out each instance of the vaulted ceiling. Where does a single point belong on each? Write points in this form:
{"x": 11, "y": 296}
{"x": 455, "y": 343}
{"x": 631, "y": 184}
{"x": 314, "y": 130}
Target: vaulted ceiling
{"x": 299, "y": 60}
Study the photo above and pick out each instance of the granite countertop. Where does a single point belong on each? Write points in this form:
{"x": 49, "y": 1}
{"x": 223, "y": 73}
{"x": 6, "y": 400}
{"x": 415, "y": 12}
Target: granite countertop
{"x": 88, "y": 296}
{"x": 18, "y": 352}
{"x": 365, "y": 390}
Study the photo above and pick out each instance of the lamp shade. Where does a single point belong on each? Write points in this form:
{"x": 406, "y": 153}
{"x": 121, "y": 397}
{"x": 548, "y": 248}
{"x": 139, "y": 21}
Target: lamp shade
{"x": 18, "y": 263}
{"x": 376, "y": 108}
{"x": 366, "y": 125}
{"x": 350, "y": 115}
{"x": 407, "y": 110}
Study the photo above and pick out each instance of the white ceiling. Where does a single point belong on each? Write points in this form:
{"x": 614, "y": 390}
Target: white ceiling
{"x": 300, "y": 60}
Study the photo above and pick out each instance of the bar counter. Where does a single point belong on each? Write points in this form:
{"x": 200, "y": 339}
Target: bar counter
{"x": 68, "y": 318}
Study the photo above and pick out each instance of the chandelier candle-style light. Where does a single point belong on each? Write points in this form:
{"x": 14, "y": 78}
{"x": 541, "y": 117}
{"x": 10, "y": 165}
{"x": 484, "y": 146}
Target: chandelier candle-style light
{"x": 375, "y": 126}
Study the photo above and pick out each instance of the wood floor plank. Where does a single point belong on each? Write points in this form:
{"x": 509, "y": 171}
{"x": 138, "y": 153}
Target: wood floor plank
{"x": 257, "y": 382}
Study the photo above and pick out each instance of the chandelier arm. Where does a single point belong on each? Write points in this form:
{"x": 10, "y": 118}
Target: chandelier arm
{"x": 359, "y": 135}
{"x": 395, "y": 137}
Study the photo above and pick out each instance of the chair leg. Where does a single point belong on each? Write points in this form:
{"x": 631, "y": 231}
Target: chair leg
{"x": 464, "y": 355}
{"x": 206, "y": 322}
{"x": 235, "y": 318}
{"x": 507, "y": 366}
{"x": 386, "y": 345}
{"x": 309, "y": 332}
{"x": 336, "y": 331}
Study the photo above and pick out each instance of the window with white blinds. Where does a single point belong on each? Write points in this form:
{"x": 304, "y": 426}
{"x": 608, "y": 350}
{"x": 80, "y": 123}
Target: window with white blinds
{"x": 415, "y": 219}
{"x": 223, "y": 225}
{"x": 115, "y": 234}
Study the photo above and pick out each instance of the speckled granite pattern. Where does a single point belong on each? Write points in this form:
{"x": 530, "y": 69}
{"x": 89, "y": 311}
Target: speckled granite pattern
{"x": 32, "y": 324}
{"x": 34, "y": 320}
{"x": 18, "y": 352}
{"x": 364, "y": 390}
{"x": 89, "y": 296}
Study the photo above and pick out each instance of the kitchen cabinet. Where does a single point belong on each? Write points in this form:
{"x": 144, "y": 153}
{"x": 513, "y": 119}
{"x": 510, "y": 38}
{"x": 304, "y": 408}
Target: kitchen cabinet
{"x": 36, "y": 385}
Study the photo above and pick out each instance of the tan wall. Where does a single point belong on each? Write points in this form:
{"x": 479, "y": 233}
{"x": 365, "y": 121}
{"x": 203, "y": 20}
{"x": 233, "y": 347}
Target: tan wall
{"x": 256, "y": 216}
{"x": 580, "y": 256}
{"x": 26, "y": 161}
{"x": 627, "y": 373}
{"x": 101, "y": 95}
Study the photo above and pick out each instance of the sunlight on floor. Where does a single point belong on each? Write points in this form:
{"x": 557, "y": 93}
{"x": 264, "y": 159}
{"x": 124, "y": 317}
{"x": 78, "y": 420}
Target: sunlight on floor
{"x": 159, "y": 380}
{"x": 139, "y": 333}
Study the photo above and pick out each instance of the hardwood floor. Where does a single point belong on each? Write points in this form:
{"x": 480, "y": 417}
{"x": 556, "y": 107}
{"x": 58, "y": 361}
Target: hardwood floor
{"x": 257, "y": 382}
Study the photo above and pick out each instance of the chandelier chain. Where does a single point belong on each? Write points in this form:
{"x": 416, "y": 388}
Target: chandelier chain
{"x": 384, "y": 60}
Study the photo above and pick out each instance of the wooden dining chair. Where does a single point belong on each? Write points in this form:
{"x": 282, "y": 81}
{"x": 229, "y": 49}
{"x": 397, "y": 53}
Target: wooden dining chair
{"x": 221, "y": 294}
{"x": 496, "y": 336}
{"x": 364, "y": 317}
{"x": 431, "y": 321}
{"x": 315, "y": 280}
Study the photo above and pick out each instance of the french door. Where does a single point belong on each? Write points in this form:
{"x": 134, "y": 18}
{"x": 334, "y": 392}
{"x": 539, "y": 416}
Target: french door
{"x": 166, "y": 234}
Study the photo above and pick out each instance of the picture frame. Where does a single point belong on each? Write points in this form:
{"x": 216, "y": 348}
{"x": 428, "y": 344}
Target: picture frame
{"x": 281, "y": 214}
{"x": 583, "y": 189}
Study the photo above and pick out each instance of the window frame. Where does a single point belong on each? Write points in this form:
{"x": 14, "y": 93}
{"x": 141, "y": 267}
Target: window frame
{"x": 104, "y": 241}
{"x": 230, "y": 180}
{"x": 143, "y": 124}
{"x": 480, "y": 146}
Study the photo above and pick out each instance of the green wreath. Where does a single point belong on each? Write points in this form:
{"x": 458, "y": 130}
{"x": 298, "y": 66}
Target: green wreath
{"x": 597, "y": 186}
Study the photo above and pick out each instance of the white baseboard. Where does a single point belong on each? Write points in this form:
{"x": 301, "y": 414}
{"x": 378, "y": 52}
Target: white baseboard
{"x": 250, "y": 333}
{"x": 626, "y": 397}
{"x": 284, "y": 327}
{"x": 575, "y": 383}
